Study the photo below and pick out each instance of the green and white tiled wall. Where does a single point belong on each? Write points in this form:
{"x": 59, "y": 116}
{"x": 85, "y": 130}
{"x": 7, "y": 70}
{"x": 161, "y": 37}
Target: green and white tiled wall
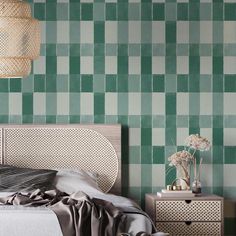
{"x": 164, "y": 69}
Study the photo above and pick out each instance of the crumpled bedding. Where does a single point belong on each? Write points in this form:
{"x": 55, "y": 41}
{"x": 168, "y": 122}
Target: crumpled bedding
{"x": 100, "y": 217}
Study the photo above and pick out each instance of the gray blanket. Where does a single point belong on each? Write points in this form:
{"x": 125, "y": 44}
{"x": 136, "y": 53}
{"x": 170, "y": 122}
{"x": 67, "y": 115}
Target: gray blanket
{"x": 77, "y": 214}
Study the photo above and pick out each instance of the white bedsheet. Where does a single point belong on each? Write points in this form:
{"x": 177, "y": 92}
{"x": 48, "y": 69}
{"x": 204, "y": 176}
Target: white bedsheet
{"x": 41, "y": 221}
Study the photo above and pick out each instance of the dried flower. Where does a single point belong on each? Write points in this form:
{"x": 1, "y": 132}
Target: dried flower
{"x": 195, "y": 141}
{"x": 180, "y": 158}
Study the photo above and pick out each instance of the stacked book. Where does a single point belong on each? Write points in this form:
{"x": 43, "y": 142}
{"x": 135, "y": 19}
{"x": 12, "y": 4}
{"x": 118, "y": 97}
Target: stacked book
{"x": 175, "y": 193}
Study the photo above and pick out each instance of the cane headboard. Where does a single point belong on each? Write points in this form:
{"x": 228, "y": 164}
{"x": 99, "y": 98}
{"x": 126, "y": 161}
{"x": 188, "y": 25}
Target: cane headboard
{"x": 94, "y": 148}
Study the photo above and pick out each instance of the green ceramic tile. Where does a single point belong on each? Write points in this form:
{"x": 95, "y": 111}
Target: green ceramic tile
{"x": 51, "y": 11}
{"x": 74, "y": 83}
{"x": 194, "y": 13}
{"x": 111, "y": 11}
{"x": 146, "y": 65}
{"x": 218, "y": 83}
{"x": 217, "y": 65}
{"x": 146, "y": 154}
{"x": 74, "y": 65}
{"x": 146, "y": 11}
{"x": 229, "y": 155}
{"x": 51, "y": 83}
{"x": 99, "y": 11}
{"x": 111, "y": 83}
{"x": 122, "y": 65}
{"x": 51, "y": 65}
{"x": 99, "y": 108}
{"x": 158, "y": 155}
{"x": 122, "y": 83}
{"x": 205, "y": 11}
{"x": 27, "y": 108}
{"x": 182, "y": 11}
{"x": 229, "y": 11}
{"x": 86, "y": 83}
{"x": 99, "y": 32}
{"x": 39, "y": 83}
{"x": 134, "y": 11}
{"x": 62, "y": 11}
{"x": 122, "y": 12}
{"x": 134, "y": 83}
{"x": 182, "y": 83}
{"x": 218, "y": 11}
{"x": 158, "y": 83}
{"x": 146, "y": 83}
{"x": 170, "y": 104}
{"x": 39, "y": 11}
{"x": 15, "y": 85}
{"x": 230, "y": 83}
{"x": 170, "y": 32}
{"x": 86, "y": 11}
{"x": 75, "y": 11}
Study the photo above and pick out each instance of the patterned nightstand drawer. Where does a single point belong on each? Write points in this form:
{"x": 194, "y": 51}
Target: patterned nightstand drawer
{"x": 190, "y": 210}
{"x": 190, "y": 228}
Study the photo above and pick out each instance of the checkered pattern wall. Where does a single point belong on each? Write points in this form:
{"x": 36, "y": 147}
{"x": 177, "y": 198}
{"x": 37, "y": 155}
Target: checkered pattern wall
{"x": 164, "y": 69}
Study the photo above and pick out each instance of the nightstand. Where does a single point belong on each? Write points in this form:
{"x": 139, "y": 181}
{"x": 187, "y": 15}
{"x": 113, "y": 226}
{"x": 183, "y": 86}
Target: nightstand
{"x": 202, "y": 215}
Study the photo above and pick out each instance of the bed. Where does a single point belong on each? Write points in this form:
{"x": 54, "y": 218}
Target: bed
{"x": 91, "y": 148}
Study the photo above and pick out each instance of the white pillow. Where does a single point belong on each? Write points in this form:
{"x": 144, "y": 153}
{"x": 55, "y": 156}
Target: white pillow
{"x": 74, "y": 180}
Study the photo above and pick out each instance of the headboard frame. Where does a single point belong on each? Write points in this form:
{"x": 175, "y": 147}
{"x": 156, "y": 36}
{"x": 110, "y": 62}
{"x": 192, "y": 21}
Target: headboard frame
{"x": 92, "y": 147}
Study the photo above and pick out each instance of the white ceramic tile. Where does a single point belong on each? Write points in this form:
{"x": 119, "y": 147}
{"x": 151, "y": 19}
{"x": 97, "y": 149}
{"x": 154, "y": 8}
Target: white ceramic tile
{"x": 86, "y": 104}
{"x": 134, "y": 137}
{"x": 134, "y": 103}
{"x": 40, "y": 65}
{"x": 205, "y": 103}
{"x": 134, "y": 31}
{"x": 228, "y": 108}
{"x": 110, "y": 103}
{"x": 229, "y": 175}
{"x": 182, "y": 103}
{"x": 86, "y": 32}
{"x": 182, "y": 65}
{"x": 182, "y": 32}
{"x": 63, "y": 34}
{"x": 158, "y": 32}
{"x": 110, "y": 65}
{"x": 134, "y": 65}
{"x": 206, "y": 32}
{"x": 39, "y": 104}
{"x": 15, "y": 103}
{"x": 206, "y": 175}
{"x": 62, "y": 103}
{"x": 229, "y": 65}
{"x": 158, "y": 65}
{"x": 134, "y": 175}
{"x": 229, "y": 31}
{"x": 111, "y": 32}
{"x": 158, "y": 175}
{"x": 62, "y": 65}
{"x": 206, "y": 65}
{"x": 158, "y": 104}
{"x": 86, "y": 65}
{"x": 158, "y": 137}
{"x": 182, "y": 134}
{"x": 230, "y": 137}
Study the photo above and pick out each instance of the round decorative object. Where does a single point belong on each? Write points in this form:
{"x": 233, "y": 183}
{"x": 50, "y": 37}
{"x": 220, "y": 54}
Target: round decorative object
{"x": 19, "y": 39}
{"x": 196, "y": 186}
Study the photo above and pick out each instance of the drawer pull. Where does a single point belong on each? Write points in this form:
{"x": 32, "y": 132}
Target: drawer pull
{"x": 188, "y": 222}
{"x": 188, "y": 201}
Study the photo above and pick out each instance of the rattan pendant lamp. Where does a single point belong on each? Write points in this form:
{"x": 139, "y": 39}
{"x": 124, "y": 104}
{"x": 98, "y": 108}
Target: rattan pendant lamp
{"x": 19, "y": 39}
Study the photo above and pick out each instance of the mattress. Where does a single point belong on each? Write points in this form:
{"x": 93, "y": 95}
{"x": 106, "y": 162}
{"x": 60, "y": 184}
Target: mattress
{"x": 38, "y": 221}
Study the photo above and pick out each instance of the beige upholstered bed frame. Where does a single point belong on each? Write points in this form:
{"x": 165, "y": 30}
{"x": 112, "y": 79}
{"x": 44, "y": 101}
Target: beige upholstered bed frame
{"x": 92, "y": 147}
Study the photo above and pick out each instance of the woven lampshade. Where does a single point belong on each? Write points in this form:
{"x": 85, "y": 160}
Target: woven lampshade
{"x": 19, "y": 38}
